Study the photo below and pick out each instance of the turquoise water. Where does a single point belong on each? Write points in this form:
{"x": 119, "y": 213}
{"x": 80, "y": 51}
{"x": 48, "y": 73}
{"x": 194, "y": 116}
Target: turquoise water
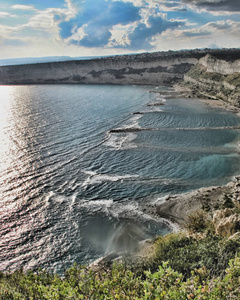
{"x": 70, "y": 184}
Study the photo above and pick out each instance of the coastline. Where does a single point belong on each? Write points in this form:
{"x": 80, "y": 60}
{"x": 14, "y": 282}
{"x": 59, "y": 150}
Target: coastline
{"x": 176, "y": 208}
{"x": 186, "y": 92}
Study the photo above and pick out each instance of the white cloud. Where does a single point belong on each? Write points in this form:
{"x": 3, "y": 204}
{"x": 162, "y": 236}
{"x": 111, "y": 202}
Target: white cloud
{"x": 6, "y": 31}
{"x": 44, "y": 20}
{"x": 4, "y": 14}
{"x": 23, "y": 7}
{"x": 225, "y": 34}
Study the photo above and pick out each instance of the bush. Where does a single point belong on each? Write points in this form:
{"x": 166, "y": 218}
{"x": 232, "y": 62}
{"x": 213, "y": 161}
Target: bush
{"x": 198, "y": 221}
{"x": 121, "y": 283}
{"x": 185, "y": 254}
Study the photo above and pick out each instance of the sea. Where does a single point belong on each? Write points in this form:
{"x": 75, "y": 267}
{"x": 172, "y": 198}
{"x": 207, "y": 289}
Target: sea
{"x": 79, "y": 164}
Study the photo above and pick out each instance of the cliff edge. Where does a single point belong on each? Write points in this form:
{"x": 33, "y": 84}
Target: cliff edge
{"x": 207, "y": 73}
{"x": 215, "y": 78}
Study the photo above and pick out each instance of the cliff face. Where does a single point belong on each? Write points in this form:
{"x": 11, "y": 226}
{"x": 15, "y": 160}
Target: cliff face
{"x": 215, "y": 78}
{"x": 116, "y": 70}
{"x": 208, "y": 73}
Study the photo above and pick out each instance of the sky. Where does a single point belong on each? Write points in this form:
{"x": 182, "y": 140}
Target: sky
{"x": 37, "y": 28}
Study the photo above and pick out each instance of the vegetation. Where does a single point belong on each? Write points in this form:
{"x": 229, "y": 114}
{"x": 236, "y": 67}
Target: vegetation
{"x": 183, "y": 268}
{"x": 195, "y": 264}
{"x": 121, "y": 283}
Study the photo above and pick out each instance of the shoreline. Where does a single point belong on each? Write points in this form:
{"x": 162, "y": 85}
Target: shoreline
{"x": 186, "y": 92}
{"x": 177, "y": 207}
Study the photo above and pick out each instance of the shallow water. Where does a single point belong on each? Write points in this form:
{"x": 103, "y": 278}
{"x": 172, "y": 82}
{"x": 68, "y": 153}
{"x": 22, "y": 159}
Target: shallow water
{"x": 70, "y": 188}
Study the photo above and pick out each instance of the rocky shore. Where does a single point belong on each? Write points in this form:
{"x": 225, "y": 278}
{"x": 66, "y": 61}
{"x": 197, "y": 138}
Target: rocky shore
{"x": 178, "y": 207}
{"x": 221, "y": 204}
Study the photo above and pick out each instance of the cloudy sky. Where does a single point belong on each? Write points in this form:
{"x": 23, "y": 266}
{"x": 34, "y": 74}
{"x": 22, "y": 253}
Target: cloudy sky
{"x": 33, "y": 28}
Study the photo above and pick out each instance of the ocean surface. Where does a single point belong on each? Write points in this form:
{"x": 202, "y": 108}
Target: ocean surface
{"x": 78, "y": 164}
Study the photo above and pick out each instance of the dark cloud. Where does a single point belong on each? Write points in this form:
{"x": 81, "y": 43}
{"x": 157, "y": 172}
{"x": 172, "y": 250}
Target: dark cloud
{"x": 98, "y": 18}
{"x": 141, "y": 36}
{"x": 171, "y": 3}
{"x": 216, "y": 5}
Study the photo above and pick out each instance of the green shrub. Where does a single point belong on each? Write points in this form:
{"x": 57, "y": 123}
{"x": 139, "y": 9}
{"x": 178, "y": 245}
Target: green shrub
{"x": 185, "y": 254}
{"x": 198, "y": 221}
{"x": 121, "y": 283}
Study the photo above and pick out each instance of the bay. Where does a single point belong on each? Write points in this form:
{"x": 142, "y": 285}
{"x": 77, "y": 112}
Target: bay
{"x": 72, "y": 185}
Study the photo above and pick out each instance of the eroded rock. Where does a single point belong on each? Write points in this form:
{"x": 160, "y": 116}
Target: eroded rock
{"x": 226, "y": 222}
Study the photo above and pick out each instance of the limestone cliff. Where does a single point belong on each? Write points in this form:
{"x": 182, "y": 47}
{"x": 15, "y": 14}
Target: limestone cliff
{"x": 148, "y": 68}
{"x": 215, "y": 78}
{"x": 209, "y": 73}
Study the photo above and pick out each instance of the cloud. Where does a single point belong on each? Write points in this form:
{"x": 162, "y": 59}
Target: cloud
{"x": 23, "y": 7}
{"x": 232, "y": 6}
{"x": 194, "y": 33}
{"x": 141, "y": 36}
{"x": 171, "y": 5}
{"x": 14, "y": 42}
{"x": 211, "y": 29}
{"x": 220, "y": 25}
{"x": 97, "y": 18}
{"x": 4, "y": 14}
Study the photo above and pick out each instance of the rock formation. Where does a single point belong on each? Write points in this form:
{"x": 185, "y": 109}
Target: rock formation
{"x": 208, "y": 73}
{"x": 215, "y": 79}
{"x": 156, "y": 68}
{"x": 226, "y": 222}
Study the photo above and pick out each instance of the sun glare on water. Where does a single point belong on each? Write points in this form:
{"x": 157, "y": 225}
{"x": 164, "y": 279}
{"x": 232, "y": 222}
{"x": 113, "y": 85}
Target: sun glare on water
{"x": 6, "y": 96}
{"x": 7, "y": 144}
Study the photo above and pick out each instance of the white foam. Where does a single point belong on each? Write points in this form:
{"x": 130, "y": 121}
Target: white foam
{"x": 120, "y": 142}
{"x": 49, "y": 196}
{"x": 161, "y": 99}
{"x": 94, "y": 206}
{"x": 99, "y": 178}
{"x": 118, "y": 210}
{"x": 52, "y": 197}
{"x": 134, "y": 121}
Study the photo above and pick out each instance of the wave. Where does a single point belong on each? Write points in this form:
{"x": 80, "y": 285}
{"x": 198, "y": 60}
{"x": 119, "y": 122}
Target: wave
{"x": 121, "y": 142}
{"x": 95, "y": 178}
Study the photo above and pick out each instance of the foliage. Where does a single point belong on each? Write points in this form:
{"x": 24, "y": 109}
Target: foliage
{"x": 198, "y": 221}
{"x": 193, "y": 265}
{"x": 121, "y": 283}
{"x": 185, "y": 254}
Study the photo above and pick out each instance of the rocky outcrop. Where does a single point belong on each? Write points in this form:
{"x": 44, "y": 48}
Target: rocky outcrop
{"x": 178, "y": 207}
{"x": 215, "y": 79}
{"x": 226, "y": 222}
{"x": 223, "y": 67}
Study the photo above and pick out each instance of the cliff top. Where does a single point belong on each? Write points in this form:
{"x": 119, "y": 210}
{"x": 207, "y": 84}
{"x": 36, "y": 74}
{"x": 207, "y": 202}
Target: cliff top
{"x": 224, "y": 54}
